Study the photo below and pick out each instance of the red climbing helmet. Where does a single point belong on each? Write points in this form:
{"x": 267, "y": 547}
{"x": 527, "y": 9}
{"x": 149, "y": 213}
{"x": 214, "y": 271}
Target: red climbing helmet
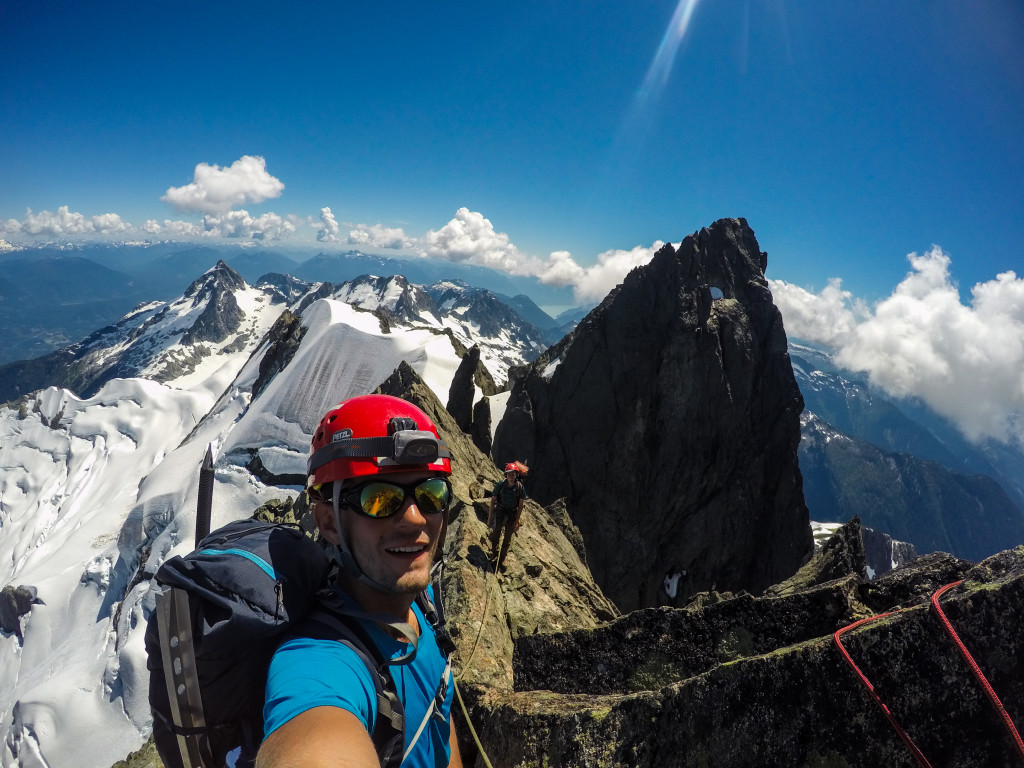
{"x": 373, "y": 435}
{"x": 511, "y": 467}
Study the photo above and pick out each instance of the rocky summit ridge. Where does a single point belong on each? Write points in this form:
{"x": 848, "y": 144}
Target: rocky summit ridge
{"x": 669, "y": 422}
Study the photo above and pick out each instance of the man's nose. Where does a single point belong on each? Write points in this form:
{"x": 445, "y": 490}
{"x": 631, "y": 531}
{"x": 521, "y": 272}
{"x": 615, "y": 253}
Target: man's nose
{"x": 410, "y": 512}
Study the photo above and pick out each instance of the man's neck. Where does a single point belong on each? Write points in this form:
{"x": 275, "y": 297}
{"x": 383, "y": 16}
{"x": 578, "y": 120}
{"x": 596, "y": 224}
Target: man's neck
{"x": 397, "y": 606}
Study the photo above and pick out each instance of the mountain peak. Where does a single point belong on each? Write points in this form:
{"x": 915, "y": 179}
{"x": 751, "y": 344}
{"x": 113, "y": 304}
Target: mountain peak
{"x": 702, "y": 389}
{"x": 219, "y": 276}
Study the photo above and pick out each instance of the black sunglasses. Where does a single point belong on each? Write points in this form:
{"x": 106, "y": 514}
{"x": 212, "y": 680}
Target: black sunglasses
{"x": 380, "y": 498}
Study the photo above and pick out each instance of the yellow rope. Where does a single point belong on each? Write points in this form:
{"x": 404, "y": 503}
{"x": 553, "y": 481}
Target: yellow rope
{"x": 465, "y": 668}
{"x": 479, "y": 632}
{"x": 472, "y": 730}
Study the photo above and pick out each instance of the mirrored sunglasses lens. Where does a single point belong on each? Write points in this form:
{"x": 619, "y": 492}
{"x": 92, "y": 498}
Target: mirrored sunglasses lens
{"x": 381, "y": 499}
{"x": 432, "y": 495}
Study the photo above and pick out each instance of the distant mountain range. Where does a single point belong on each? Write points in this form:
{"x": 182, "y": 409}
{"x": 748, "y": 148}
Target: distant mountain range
{"x": 902, "y": 468}
{"x": 219, "y": 313}
{"x": 53, "y": 300}
{"x": 54, "y": 296}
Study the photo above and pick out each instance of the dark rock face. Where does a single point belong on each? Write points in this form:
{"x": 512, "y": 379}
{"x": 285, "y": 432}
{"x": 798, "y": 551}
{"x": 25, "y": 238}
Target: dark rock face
{"x": 284, "y": 338}
{"x": 221, "y": 276}
{"x": 670, "y": 424}
{"x": 480, "y": 430}
{"x": 884, "y": 553}
{"x": 15, "y": 602}
{"x": 222, "y": 315}
{"x": 462, "y": 391}
{"x": 744, "y": 681}
{"x": 471, "y": 377}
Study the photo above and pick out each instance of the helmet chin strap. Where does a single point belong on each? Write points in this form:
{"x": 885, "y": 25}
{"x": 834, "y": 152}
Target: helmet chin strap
{"x": 347, "y": 562}
{"x": 342, "y": 551}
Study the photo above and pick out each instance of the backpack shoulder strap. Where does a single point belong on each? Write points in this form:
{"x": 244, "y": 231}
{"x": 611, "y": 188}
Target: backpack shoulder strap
{"x": 388, "y": 733}
{"x": 176, "y": 644}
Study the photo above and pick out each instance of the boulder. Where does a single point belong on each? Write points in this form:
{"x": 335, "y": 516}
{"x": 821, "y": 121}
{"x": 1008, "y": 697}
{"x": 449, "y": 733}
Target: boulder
{"x": 16, "y": 602}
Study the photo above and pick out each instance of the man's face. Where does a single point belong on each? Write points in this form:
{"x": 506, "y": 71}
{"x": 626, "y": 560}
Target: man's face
{"x": 395, "y": 552}
{"x": 510, "y": 476}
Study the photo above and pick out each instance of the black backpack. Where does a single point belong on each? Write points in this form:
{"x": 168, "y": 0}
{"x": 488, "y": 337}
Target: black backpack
{"x": 220, "y": 615}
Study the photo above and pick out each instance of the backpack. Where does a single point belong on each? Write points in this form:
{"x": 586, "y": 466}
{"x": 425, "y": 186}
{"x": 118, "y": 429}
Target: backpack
{"x": 220, "y": 614}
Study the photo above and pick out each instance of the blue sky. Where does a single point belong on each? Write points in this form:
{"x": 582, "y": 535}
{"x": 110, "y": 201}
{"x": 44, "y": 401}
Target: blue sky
{"x": 848, "y": 135}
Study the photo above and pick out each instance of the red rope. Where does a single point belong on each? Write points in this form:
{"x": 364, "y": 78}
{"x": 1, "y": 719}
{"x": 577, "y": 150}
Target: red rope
{"x": 1007, "y": 720}
{"x": 921, "y": 759}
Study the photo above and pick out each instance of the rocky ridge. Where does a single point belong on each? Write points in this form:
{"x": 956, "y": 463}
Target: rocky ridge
{"x": 551, "y": 674}
{"x": 740, "y": 680}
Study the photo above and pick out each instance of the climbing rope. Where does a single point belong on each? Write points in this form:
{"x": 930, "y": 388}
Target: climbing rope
{"x": 921, "y": 759}
{"x": 1000, "y": 709}
{"x": 479, "y": 632}
{"x": 465, "y": 668}
{"x": 472, "y": 730}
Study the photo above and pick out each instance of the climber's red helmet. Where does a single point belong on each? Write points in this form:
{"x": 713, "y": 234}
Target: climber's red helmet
{"x": 375, "y": 435}
{"x": 511, "y": 467}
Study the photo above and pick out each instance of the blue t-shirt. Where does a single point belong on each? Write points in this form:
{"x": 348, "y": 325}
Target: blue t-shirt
{"x": 307, "y": 673}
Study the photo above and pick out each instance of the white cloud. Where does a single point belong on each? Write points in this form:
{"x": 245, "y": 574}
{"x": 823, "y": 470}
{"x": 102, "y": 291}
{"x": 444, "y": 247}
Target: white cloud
{"x": 172, "y": 229}
{"x": 560, "y": 270}
{"x": 218, "y": 190}
{"x": 233, "y": 224}
{"x": 379, "y": 236}
{"x": 6, "y": 247}
{"x": 329, "y": 231}
{"x": 471, "y": 238}
{"x": 610, "y": 270}
{"x": 963, "y": 360}
{"x": 65, "y": 222}
{"x": 826, "y": 318}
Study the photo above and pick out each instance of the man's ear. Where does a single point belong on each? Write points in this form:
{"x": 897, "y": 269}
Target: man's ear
{"x": 326, "y": 521}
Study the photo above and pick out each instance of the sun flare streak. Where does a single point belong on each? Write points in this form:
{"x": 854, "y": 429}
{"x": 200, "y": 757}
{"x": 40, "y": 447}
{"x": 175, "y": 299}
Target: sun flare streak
{"x": 665, "y": 56}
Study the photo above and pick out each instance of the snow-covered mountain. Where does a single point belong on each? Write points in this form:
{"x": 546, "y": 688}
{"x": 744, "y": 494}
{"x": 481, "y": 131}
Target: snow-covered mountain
{"x": 52, "y": 295}
{"x": 97, "y": 490}
{"x": 473, "y": 316}
{"x": 219, "y": 320}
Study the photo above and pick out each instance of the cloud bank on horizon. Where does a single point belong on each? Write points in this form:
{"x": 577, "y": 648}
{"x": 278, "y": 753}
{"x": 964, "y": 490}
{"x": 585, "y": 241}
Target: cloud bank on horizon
{"x": 217, "y": 192}
{"x": 964, "y": 360}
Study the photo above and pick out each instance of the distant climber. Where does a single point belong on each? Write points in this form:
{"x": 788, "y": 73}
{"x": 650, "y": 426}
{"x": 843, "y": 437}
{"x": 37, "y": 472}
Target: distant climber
{"x": 506, "y": 511}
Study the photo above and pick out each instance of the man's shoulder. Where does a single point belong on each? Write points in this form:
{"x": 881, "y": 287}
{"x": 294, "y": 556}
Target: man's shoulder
{"x": 319, "y": 655}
